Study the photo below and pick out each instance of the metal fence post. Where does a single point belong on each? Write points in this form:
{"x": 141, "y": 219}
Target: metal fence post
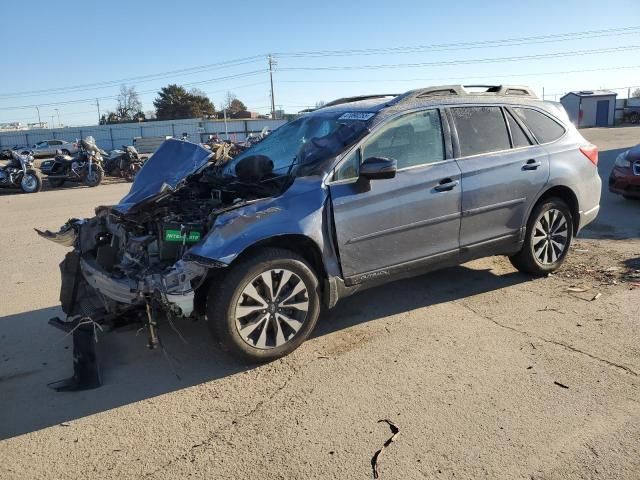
{"x": 26, "y": 139}
{"x": 173, "y": 130}
{"x": 111, "y": 137}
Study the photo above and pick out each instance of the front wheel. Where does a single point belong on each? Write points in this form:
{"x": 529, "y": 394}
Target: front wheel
{"x": 31, "y": 182}
{"x": 547, "y": 240}
{"x": 95, "y": 176}
{"x": 265, "y": 306}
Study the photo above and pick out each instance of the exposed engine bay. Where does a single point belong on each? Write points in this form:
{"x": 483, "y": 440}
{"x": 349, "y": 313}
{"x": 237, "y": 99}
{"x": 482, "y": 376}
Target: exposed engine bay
{"x": 132, "y": 257}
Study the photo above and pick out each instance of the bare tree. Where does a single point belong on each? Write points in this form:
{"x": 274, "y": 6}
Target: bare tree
{"x": 128, "y": 103}
{"x": 636, "y": 93}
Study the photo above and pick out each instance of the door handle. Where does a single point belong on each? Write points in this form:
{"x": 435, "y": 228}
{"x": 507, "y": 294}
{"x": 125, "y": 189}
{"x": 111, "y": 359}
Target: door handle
{"x": 531, "y": 164}
{"x": 446, "y": 185}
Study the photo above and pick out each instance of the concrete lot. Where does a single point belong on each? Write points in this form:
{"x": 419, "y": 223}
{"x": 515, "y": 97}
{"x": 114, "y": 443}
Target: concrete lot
{"x": 487, "y": 373}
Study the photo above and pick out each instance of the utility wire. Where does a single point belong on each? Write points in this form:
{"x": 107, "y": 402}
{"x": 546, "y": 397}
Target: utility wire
{"x": 466, "y": 61}
{"x": 438, "y": 47}
{"x": 466, "y": 77}
{"x": 110, "y": 97}
{"x": 154, "y": 76}
{"x": 348, "y": 52}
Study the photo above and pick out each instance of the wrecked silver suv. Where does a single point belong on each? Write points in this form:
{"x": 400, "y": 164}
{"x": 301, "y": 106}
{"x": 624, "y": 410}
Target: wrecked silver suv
{"x": 354, "y": 194}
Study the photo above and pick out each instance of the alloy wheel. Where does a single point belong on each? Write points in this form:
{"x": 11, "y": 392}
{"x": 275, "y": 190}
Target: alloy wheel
{"x": 550, "y": 237}
{"x": 271, "y": 309}
{"x": 29, "y": 183}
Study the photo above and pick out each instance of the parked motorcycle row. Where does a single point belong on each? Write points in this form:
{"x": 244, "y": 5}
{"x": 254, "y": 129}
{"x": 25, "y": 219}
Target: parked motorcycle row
{"x": 90, "y": 164}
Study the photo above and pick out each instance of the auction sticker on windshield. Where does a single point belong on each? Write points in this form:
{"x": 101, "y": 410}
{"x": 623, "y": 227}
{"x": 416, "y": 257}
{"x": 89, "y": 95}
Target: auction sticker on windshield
{"x": 361, "y": 116}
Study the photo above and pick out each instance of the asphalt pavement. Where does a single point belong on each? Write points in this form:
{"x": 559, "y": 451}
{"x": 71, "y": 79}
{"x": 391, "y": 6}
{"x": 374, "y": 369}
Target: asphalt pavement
{"x": 486, "y": 372}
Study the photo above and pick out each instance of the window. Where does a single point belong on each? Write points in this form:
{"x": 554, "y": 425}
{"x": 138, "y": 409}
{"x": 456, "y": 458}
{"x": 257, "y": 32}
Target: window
{"x": 349, "y": 168}
{"x": 480, "y": 130}
{"x": 413, "y": 139}
{"x": 518, "y": 137}
{"x": 544, "y": 128}
{"x": 53, "y": 143}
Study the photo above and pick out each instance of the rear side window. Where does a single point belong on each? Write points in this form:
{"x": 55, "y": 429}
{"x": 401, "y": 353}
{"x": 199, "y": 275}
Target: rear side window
{"x": 544, "y": 128}
{"x": 518, "y": 137}
{"x": 480, "y": 130}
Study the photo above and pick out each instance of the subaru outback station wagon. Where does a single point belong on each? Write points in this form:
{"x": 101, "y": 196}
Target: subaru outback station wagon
{"x": 357, "y": 193}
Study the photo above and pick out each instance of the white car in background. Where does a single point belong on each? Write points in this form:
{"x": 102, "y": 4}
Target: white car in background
{"x": 48, "y": 148}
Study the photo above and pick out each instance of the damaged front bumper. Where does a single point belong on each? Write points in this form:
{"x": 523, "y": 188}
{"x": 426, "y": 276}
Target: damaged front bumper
{"x": 175, "y": 287}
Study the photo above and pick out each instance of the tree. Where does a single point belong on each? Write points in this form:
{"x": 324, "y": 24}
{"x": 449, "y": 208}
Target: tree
{"x": 320, "y": 103}
{"x": 636, "y": 93}
{"x": 174, "y": 102}
{"x": 233, "y": 105}
{"x": 129, "y": 105}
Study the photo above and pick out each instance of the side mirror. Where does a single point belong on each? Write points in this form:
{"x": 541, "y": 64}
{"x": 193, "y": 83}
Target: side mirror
{"x": 378, "y": 168}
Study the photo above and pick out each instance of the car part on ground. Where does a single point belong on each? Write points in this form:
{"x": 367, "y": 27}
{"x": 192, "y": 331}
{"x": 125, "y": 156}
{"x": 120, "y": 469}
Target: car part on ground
{"x": 85, "y": 166}
{"x": 624, "y": 178}
{"x": 20, "y": 173}
{"x": 349, "y": 196}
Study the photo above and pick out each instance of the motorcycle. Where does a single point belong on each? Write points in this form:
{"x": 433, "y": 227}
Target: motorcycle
{"x": 85, "y": 166}
{"x": 19, "y": 173}
{"x": 124, "y": 163}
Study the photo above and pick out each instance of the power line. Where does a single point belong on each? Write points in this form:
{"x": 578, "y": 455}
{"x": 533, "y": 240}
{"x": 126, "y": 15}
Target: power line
{"x": 111, "y": 97}
{"x": 467, "y": 45}
{"x": 149, "y": 77}
{"x": 349, "y": 52}
{"x": 369, "y": 80}
{"x": 467, "y": 61}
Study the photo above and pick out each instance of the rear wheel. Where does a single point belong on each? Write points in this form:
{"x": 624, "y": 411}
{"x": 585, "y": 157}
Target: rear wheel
{"x": 547, "y": 240}
{"x": 55, "y": 182}
{"x": 94, "y": 177}
{"x": 265, "y": 306}
{"x": 66, "y": 152}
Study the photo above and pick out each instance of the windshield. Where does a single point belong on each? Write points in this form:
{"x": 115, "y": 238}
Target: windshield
{"x": 307, "y": 140}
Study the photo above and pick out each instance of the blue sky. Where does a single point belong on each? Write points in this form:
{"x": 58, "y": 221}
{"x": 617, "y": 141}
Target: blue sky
{"x": 69, "y": 43}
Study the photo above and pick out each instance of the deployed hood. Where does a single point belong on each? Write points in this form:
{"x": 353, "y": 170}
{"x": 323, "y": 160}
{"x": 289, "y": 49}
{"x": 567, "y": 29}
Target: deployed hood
{"x": 165, "y": 170}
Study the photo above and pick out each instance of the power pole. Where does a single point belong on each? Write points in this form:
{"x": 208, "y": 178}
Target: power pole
{"x": 58, "y": 112}
{"x": 98, "y": 105}
{"x": 272, "y": 63}
{"x": 39, "y": 121}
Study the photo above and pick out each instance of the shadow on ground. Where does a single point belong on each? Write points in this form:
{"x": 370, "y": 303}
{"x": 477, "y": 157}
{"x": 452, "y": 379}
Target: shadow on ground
{"x": 33, "y": 354}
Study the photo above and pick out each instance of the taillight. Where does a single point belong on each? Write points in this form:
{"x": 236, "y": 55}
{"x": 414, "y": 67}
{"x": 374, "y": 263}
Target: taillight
{"x": 591, "y": 152}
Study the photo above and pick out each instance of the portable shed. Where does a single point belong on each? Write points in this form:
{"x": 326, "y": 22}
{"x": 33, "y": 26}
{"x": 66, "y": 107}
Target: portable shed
{"x": 591, "y": 108}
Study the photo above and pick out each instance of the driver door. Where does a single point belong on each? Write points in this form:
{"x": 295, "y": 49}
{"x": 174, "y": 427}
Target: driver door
{"x": 408, "y": 221}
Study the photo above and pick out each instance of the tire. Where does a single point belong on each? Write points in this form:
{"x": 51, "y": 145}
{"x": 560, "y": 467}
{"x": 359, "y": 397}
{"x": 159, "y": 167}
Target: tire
{"x": 31, "y": 182}
{"x": 634, "y": 117}
{"x": 540, "y": 255}
{"x": 97, "y": 174}
{"x": 276, "y": 330}
{"x": 65, "y": 152}
{"x": 55, "y": 182}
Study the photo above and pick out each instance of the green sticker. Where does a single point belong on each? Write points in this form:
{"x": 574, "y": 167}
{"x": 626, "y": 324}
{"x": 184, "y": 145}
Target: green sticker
{"x": 174, "y": 236}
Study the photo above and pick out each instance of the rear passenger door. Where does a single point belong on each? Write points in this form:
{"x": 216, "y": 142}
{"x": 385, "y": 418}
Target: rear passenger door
{"x": 503, "y": 170}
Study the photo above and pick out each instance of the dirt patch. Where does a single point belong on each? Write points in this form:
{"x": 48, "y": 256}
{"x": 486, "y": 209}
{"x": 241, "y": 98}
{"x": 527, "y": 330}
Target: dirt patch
{"x": 590, "y": 261}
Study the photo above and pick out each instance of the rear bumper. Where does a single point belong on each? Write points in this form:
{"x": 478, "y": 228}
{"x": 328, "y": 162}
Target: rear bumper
{"x": 589, "y": 216}
{"x": 623, "y": 182}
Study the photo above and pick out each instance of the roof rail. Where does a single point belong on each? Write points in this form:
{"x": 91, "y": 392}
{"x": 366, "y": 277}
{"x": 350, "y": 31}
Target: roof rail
{"x": 358, "y": 98}
{"x": 463, "y": 90}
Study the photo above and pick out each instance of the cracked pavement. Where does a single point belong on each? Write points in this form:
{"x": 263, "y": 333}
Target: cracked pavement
{"x": 464, "y": 361}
